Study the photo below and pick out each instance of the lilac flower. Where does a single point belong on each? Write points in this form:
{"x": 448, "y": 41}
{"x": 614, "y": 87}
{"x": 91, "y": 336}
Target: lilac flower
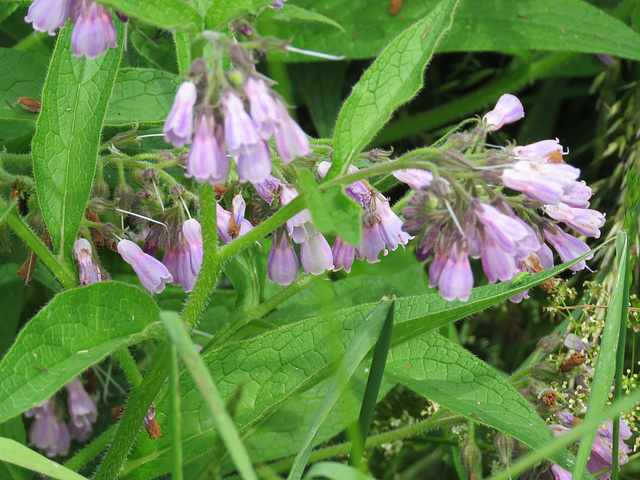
{"x": 49, "y": 433}
{"x": 152, "y": 273}
{"x": 291, "y": 141}
{"x": 277, "y": 5}
{"x": 579, "y": 195}
{"x": 358, "y": 191}
{"x": 298, "y": 224}
{"x": 452, "y": 273}
{"x": 93, "y": 31}
{"x": 343, "y": 255}
{"x": 82, "y": 410}
{"x": 207, "y": 160}
{"x": 88, "y": 271}
{"x": 232, "y": 226}
{"x": 48, "y": 15}
{"x": 390, "y": 226}
{"x": 178, "y": 126}
{"x": 171, "y": 260}
{"x": 315, "y": 255}
{"x": 509, "y": 232}
{"x": 267, "y": 188}
{"x": 262, "y": 107}
{"x": 186, "y": 276}
{"x": 40, "y": 409}
{"x": 545, "y": 182}
{"x": 239, "y": 130}
{"x": 372, "y": 243}
{"x": 282, "y": 265}
{"x": 568, "y": 247}
{"x": 574, "y": 342}
{"x": 414, "y": 177}
{"x": 497, "y": 263}
{"x": 583, "y": 220}
{"x": 255, "y": 164}
{"x": 544, "y": 150}
{"x": 508, "y": 109}
{"x": 192, "y": 233}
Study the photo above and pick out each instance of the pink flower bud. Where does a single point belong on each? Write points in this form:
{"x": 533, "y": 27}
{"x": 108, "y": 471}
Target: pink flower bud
{"x": 152, "y": 274}
{"x": 179, "y": 124}
{"x": 507, "y": 110}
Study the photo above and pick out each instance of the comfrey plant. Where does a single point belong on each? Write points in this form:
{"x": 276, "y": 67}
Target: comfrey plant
{"x": 192, "y": 215}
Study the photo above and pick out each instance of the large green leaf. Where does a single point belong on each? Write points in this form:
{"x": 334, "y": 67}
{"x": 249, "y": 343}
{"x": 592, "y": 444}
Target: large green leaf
{"x": 141, "y": 95}
{"x": 281, "y": 364}
{"x": 392, "y": 80}
{"x": 75, "y": 330}
{"x": 451, "y": 376}
{"x": 169, "y": 14}
{"x": 12, "y": 287}
{"x": 65, "y": 146}
{"x": 496, "y": 25}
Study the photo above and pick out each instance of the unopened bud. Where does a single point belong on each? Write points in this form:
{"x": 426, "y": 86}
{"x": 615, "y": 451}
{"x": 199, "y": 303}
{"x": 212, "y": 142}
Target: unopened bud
{"x": 150, "y": 175}
{"x": 124, "y": 196}
{"x": 198, "y": 67}
{"x": 378, "y": 154}
{"x": 238, "y": 55}
{"x": 545, "y": 372}
{"x": 470, "y": 457}
{"x": 536, "y": 389}
{"x": 504, "y": 446}
{"x": 125, "y": 138}
{"x": 550, "y": 343}
{"x": 100, "y": 190}
{"x": 135, "y": 174}
{"x": 176, "y": 191}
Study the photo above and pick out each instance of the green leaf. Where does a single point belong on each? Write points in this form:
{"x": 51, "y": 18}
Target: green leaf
{"x": 75, "y": 330}
{"x": 332, "y": 211}
{"x": 13, "y": 429}
{"x": 615, "y": 323}
{"x": 65, "y": 146}
{"x": 364, "y": 338}
{"x": 451, "y": 376}
{"x": 499, "y": 25}
{"x": 141, "y": 95}
{"x": 169, "y": 14}
{"x": 211, "y": 395}
{"x": 295, "y": 14}
{"x": 17, "y": 454}
{"x": 223, "y": 12}
{"x": 393, "y": 79}
{"x": 23, "y": 75}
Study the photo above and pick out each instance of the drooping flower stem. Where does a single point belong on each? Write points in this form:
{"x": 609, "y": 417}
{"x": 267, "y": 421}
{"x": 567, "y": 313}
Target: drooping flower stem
{"x": 129, "y": 367}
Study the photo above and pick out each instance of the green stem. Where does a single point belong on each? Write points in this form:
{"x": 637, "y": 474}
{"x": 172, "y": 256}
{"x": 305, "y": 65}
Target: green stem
{"x": 176, "y": 418}
{"x": 442, "y": 420}
{"x": 30, "y": 41}
{"x": 129, "y": 367}
{"x": 91, "y": 451}
{"x": 211, "y": 261}
{"x": 64, "y": 275}
{"x": 137, "y": 408}
{"x": 17, "y": 158}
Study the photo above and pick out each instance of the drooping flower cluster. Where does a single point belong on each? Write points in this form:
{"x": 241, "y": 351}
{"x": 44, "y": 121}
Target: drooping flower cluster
{"x": 93, "y": 31}
{"x": 49, "y": 431}
{"x": 484, "y": 224}
{"x": 215, "y": 130}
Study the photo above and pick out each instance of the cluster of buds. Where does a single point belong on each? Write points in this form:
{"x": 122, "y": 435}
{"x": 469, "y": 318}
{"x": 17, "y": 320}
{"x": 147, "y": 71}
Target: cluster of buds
{"x": 211, "y": 115}
{"x": 93, "y": 28}
{"x": 459, "y": 213}
{"x": 50, "y": 432}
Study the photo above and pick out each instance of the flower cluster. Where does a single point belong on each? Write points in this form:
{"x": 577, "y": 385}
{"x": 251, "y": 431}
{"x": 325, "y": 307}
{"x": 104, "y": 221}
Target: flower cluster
{"x": 93, "y": 28}
{"x": 214, "y": 130}
{"x": 456, "y": 224}
{"x": 49, "y": 431}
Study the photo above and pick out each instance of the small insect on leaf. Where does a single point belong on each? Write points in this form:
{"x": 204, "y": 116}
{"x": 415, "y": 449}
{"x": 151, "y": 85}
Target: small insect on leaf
{"x": 518, "y": 279}
{"x": 395, "y": 6}
{"x": 30, "y": 104}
